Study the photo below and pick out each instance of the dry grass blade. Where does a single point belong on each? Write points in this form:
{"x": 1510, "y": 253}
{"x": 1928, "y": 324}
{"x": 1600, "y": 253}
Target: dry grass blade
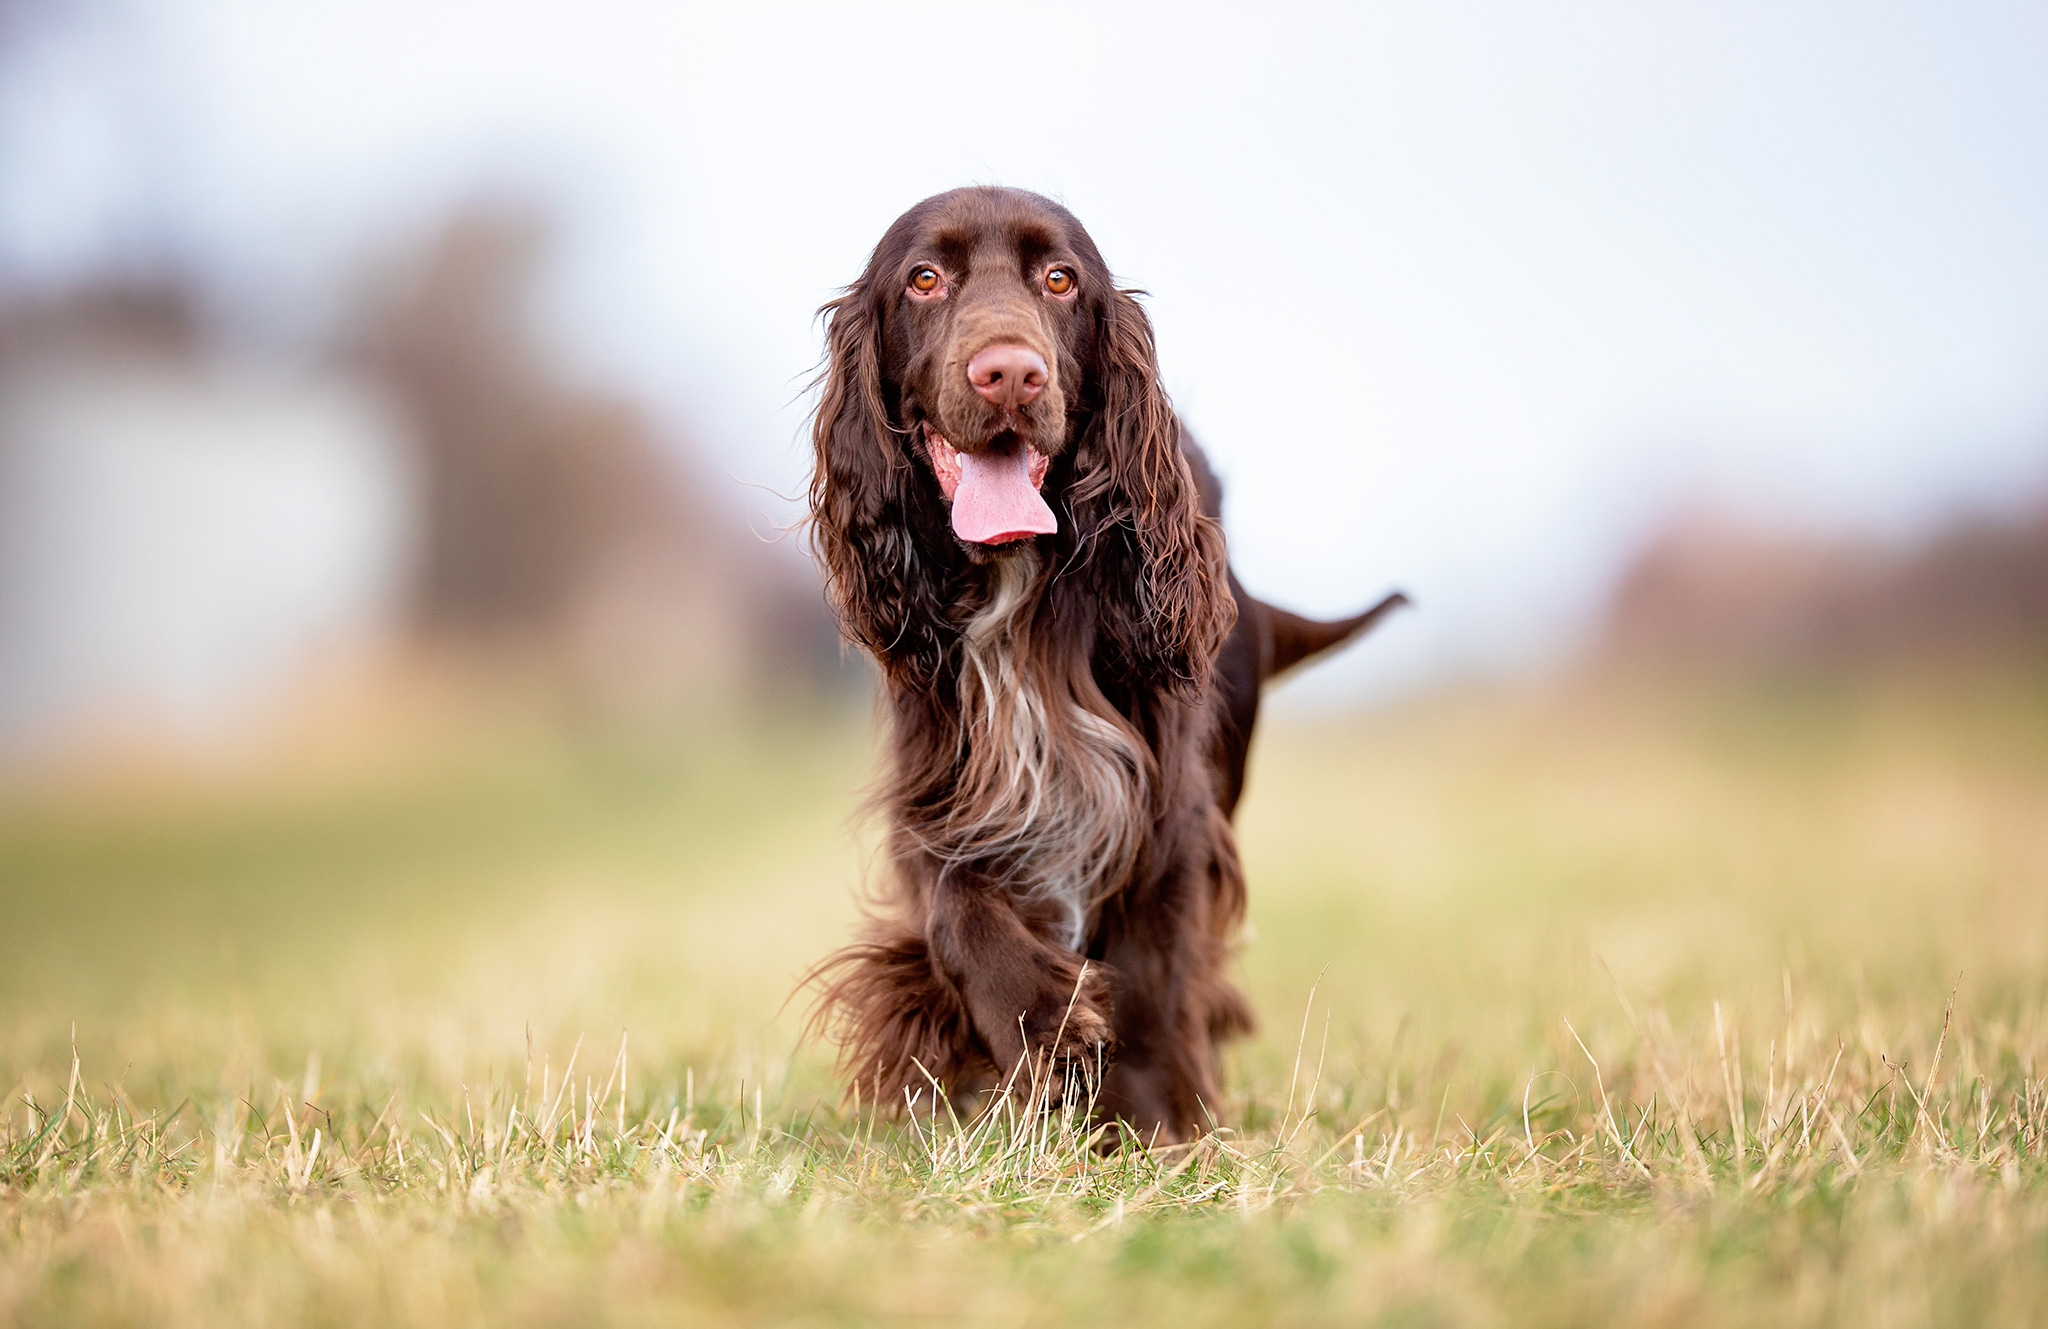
{"x": 1606, "y": 1109}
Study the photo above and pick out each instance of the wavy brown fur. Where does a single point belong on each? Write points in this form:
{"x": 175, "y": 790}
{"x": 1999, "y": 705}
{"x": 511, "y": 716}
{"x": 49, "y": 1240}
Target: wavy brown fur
{"x": 1068, "y": 713}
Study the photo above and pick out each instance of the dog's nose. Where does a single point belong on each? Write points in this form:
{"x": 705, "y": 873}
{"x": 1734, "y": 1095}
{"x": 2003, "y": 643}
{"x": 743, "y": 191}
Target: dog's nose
{"x": 1008, "y": 375}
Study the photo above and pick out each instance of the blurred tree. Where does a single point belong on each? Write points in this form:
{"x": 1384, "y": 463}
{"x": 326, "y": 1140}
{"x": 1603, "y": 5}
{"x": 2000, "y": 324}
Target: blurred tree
{"x": 1707, "y": 592}
{"x": 552, "y": 518}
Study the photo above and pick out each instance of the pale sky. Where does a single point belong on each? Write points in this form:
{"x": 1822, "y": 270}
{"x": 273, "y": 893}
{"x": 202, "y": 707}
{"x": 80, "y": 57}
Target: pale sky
{"x": 1461, "y": 298}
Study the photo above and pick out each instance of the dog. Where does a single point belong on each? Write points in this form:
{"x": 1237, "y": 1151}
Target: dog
{"x": 1014, "y": 523}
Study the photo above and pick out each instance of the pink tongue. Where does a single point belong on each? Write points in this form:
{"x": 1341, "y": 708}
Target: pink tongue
{"x": 995, "y": 502}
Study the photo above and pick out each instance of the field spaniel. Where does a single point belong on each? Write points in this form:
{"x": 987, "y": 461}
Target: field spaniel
{"x": 1015, "y": 525}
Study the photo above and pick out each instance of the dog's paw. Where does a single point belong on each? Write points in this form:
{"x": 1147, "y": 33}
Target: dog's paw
{"x": 1067, "y": 1036}
{"x": 1081, "y": 1046}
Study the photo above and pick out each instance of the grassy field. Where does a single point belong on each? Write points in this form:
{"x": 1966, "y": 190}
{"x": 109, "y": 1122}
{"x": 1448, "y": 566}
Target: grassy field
{"x": 1589, "y": 1006}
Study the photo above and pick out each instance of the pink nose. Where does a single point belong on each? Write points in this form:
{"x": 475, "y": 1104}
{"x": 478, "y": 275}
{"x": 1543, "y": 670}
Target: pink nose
{"x": 1007, "y": 375}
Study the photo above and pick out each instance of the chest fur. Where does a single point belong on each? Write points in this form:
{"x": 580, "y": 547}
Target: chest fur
{"x": 1052, "y": 796}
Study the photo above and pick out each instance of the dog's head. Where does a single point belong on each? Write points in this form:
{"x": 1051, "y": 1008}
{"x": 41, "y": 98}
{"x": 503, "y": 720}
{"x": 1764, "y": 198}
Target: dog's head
{"x": 988, "y": 387}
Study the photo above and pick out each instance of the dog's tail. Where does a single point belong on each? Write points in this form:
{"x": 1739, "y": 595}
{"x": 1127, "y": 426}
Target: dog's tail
{"x": 1290, "y": 639}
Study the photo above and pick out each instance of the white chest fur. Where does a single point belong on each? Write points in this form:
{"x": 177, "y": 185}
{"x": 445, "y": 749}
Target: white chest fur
{"x": 1053, "y": 793}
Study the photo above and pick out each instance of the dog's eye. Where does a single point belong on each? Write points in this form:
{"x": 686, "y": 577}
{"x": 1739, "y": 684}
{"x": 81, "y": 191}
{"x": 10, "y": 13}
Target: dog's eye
{"x": 1059, "y": 281}
{"x": 924, "y": 281}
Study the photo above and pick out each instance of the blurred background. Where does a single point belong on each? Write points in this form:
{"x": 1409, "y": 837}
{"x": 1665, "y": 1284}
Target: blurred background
{"x": 341, "y": 346}
{"x": 402, "y": 430}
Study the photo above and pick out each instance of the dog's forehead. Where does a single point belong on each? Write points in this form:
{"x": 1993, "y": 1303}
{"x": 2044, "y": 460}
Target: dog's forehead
{"x": 988, "y": 223}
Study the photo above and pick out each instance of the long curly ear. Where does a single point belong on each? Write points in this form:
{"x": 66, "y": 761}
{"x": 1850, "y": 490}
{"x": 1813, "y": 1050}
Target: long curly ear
{"x": 864, "y": 500}
{"x": 1156, "y": 561}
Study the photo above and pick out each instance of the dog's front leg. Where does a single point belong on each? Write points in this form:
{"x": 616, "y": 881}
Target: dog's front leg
{"x": 1033, "y": 1004}
{"x": 1168, "y": 948}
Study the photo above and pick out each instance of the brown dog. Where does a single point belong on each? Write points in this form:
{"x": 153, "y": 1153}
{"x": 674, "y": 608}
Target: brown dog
{"x": 1015, "y": 525}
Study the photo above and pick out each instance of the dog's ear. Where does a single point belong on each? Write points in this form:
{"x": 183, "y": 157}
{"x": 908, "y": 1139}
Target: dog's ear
{"x": 863, "y": 492}
{"x": 1155, "y": 561}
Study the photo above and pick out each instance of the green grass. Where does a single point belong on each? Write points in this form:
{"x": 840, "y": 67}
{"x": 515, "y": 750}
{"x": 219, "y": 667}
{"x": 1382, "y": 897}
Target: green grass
{"x": 1599, "y": 1006}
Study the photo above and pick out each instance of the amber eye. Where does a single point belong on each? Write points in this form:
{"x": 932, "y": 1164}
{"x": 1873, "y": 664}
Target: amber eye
{"x": 1059, "y": 281}
{"x": 924, "y": 281}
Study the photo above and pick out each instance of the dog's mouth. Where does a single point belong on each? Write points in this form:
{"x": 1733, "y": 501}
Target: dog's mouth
{"x": 994, "y": 492}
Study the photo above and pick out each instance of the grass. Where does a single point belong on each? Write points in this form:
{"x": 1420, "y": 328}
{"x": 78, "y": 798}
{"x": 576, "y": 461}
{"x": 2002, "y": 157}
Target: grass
{"x": 1615, "y": 1006}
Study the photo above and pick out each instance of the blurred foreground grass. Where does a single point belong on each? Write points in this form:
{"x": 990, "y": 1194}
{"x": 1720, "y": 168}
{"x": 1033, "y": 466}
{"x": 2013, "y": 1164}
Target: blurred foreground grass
{"x": 1614, "y": 1005}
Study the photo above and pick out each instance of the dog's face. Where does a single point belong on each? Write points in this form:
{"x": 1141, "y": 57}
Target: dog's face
{"x": 989, "y": 300}
{"x": 983, "y": 364}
